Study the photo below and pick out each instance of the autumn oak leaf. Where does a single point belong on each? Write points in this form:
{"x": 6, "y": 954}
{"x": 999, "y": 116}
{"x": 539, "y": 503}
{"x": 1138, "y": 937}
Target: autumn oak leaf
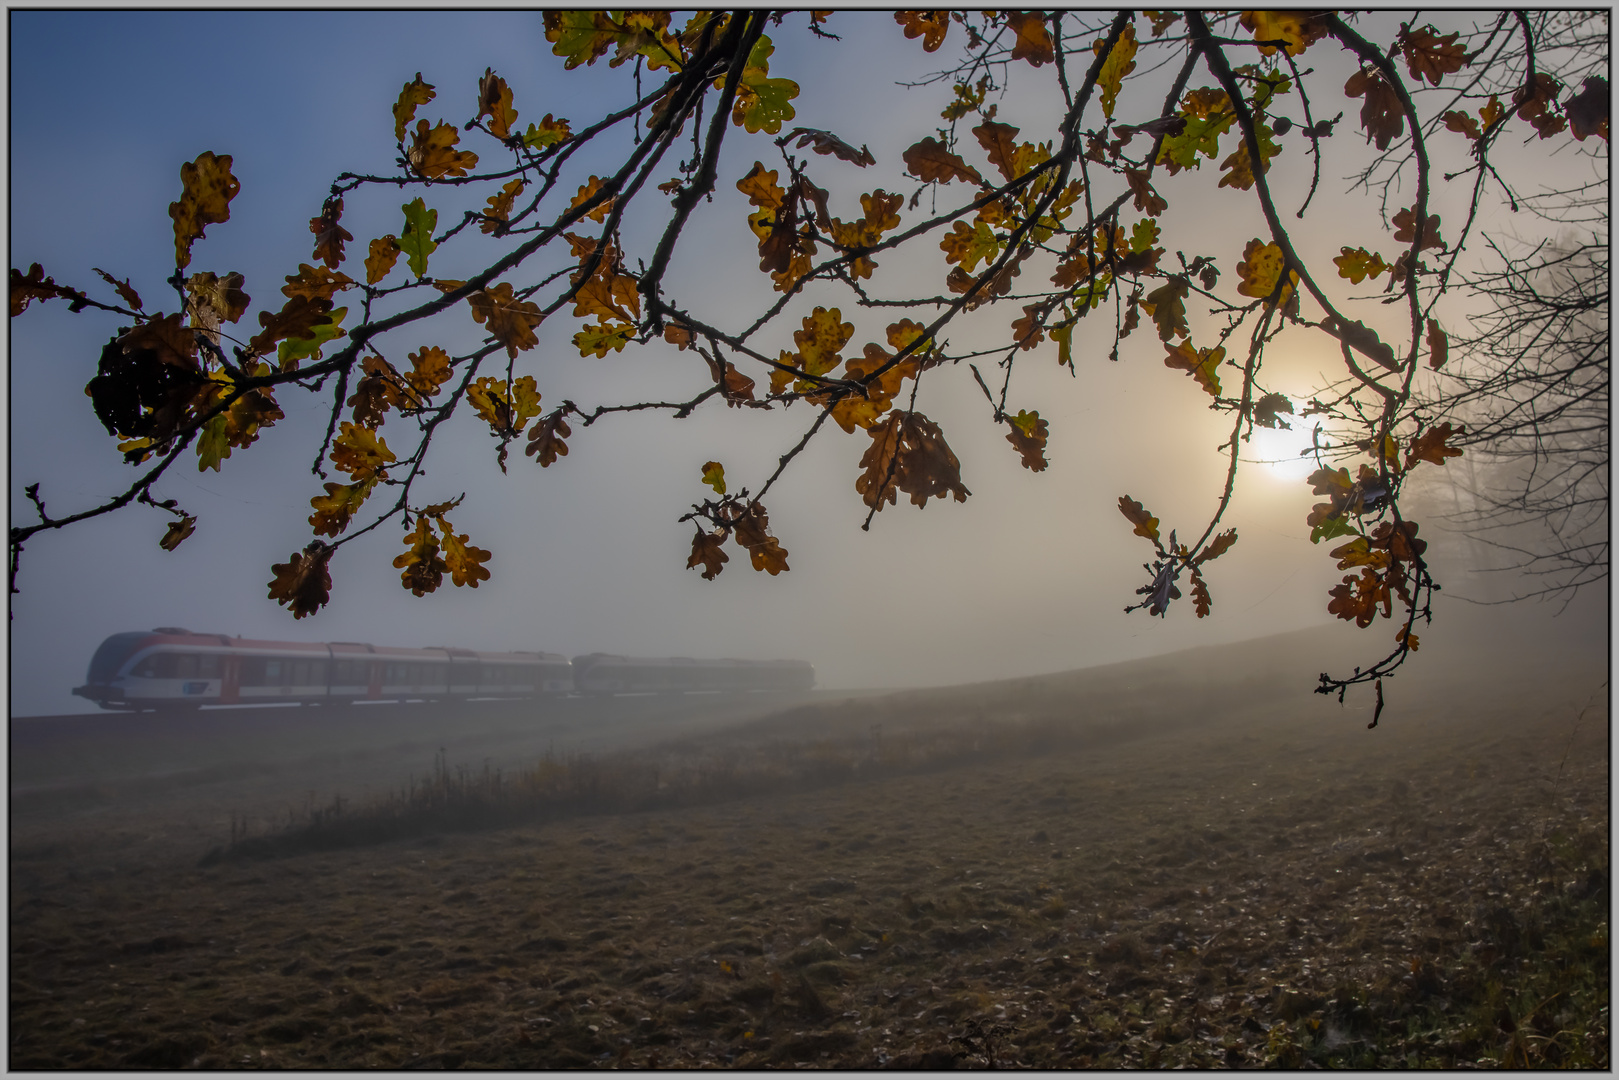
{"x": 414, "y": 93}
{"x": 930, "y": 26}
{"x": 1028, "y": 437}
{"x": 1430, "y": 445}
{"x": 207, "y": 187}
{"x": 304, "y": 582}
{"x": 930, "y": 162}
{"x": 1145, "y": 524}
{"x": 177, "y": 532}
{"x": 707, "y": 552}
{"x": 510, "y": 321}
{"x": 545, "y": 437}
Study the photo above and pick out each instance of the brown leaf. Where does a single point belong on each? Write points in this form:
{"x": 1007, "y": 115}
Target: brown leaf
{"x": 1438, "y": 345}
{"x": 1429, "y": 56}
{"x": 36, "y": 286}
{"x": 1000, "y": 142}
{"x": 706, "y": 550}
{"x": 129, "y": 295}
{"x": 1145, "y": 524}
{"x": 929, "y": 161}
{"x": 329, "y": 235}
{"x": 908, "y": 453}
{"x": 1147, "y": 200}
{"x": 1587, "y": 111}
{"x": 1430, "y": 445}
{"x": 1218, "y": 546}
{"x": 304, "y": 582}
{"x": 1364, "y": 340}
{"x": 297, "y": 319}
{"x": 1534, "y": 104}
{"x": 1381, "y": 114}
{"x": 1405, "y": 229}
{"x": 511, "y": 321}
{"x": 379, "y": 389}
{"x": 178, "y": 531}
{"x": 824, "y": 142}
{"x": 1200, "y": 595}
{"x": 752, "y": 528}
{"x": 316, "y": 283}
{"x": 1028, "y": 437}
{"x": 545, "y": 437}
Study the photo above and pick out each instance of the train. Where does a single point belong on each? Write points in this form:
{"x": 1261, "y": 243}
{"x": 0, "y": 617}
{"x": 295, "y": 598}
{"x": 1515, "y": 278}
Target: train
{"x": 171, "y": 668}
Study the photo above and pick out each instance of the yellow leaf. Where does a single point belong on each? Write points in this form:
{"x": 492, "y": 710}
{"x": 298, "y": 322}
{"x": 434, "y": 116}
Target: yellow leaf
{"x": 714, "y": 476}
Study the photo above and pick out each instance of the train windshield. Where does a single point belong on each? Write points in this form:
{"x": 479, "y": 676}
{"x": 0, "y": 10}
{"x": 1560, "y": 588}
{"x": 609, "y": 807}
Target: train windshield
{"x": 111, "y": 656}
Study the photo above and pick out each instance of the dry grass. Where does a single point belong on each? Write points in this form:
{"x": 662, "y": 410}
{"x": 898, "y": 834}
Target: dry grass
{"x": 1241, "y": 882}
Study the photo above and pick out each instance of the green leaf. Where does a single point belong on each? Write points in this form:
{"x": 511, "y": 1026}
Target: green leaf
{"x": 297, "y": 348}
{"x": 762, "y": 103}
{"x": 213, "y": 442}
{"x": 714, "y": 476}
{"x": 1331, "y": 528}
{"x": 417, "y": 239}
{"x": 1201, "y": 136}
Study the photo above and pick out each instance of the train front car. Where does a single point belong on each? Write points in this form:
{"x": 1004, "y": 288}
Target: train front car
{"x": 169, "y": 667}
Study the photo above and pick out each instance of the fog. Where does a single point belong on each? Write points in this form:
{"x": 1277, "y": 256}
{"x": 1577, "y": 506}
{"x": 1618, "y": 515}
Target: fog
{"x": 1030, "y": 575}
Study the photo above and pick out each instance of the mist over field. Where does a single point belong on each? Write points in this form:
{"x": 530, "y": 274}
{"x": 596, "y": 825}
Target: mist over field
{"x": 1187, "y": 859}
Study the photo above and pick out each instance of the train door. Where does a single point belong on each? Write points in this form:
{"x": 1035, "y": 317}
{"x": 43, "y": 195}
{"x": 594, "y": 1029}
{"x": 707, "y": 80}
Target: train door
{"x": 230, "y": 679}
{"x": 374, "y": 687}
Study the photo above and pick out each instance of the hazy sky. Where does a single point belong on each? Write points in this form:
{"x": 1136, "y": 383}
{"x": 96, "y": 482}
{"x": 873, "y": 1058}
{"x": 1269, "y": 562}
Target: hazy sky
{"x": 1029, "y": 575}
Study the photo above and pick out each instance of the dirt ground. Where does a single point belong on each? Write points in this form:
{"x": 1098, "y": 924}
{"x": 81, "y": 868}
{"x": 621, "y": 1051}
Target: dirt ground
{"x": 1241, "y": 874}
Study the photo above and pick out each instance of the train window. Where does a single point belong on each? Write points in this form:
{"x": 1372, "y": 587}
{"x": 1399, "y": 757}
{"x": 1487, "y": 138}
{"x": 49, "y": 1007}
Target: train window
{"x": 273, "y": 670}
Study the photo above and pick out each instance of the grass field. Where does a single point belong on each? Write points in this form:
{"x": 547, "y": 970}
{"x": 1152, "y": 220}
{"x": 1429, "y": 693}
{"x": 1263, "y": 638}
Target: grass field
{"x": 1189, "y": 860}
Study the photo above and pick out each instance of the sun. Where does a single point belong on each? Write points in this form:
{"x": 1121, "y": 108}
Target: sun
{"x": 1283, "y": 453}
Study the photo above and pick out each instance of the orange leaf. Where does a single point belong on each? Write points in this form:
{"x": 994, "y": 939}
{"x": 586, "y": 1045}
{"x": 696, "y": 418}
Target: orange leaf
{"x": 930, "y": 26}
{"x": 1033, "y": 39}
{"x": 433, "y": 155}
{"x": 495, "y": 102}
{"x": 499, "y": 208}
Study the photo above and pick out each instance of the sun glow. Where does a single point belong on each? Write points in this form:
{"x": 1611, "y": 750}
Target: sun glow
{"x": 1283, "y": 453}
